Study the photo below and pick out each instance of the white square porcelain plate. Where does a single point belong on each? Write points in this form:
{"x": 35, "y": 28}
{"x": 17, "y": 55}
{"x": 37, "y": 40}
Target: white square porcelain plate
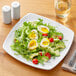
{"x": 68, "y": 35}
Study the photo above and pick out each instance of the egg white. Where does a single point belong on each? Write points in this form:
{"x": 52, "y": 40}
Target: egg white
{"x": 35, "y": 33}
{"x": 43, "y": 40}
{"x": 33, "y": 47}
{"x": 39, "y": 28}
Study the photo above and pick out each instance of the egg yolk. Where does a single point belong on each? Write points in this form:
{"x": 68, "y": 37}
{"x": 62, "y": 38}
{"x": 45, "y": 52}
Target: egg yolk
{"x": 32, "y": 35}
{"x": 45, "y": 43}
{"x": 44, "y": 29}
{"x": 32, "y": 43}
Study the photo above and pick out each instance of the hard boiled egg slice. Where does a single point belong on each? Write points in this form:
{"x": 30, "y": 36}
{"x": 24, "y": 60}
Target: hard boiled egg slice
{"x": 32, "y": 44}
{"x": 33, "y": 34}
{"x": 44, "y": 42}
{"x": 43, "y": 29}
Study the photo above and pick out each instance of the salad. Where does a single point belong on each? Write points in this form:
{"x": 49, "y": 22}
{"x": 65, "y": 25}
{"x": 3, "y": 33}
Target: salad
{"x": 38, "y": 41}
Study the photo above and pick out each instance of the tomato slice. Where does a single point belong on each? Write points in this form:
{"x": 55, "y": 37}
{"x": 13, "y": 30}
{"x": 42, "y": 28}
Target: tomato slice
{"x": 51, "y": 39}
{"x": 48, "y": 55}
{"x": 44, "y": 34}
{"x": 35, "y": 61}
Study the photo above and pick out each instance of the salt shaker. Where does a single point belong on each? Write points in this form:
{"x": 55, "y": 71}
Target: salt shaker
{"x": 15, "y": 10}
{"x": 6, "y": 11}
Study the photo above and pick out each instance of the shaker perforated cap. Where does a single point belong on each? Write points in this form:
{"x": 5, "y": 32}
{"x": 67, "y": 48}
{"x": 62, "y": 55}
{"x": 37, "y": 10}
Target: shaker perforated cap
{"x": 15, "y": 4}
{"x": 6, "y": 8}
{"x": 15, "y": 10}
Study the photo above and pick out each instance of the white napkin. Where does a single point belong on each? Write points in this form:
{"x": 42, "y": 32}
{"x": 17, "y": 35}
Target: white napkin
{"x": 67, "y": 65}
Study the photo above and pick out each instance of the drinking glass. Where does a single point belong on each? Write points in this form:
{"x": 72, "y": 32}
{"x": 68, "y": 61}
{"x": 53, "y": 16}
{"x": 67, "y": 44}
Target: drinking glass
{"x": 62, "y": 8}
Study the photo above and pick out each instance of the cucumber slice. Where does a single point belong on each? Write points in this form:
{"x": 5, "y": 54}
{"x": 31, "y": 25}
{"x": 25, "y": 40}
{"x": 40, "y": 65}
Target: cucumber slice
{"x": 33, "y": 55}
{"x": 56, "y": 40}
{"x": 57, "y": 53}
{"x": 45, "y": 58}
{"x": 51, "y": 51}
{"x": 60, "y": 45}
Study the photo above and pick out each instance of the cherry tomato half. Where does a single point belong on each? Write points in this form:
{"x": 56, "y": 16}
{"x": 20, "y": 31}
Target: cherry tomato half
{"x": 48, "y": 55}
{"x": 40, "y": 53}
{"x": 44, "y": 34}
{"x": 35, "y": 61}
{"x": 51, "y": 39}
{"x": 60, "y": 37}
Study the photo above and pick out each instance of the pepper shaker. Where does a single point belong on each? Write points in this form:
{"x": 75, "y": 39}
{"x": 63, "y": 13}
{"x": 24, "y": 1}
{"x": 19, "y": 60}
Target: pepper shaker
{"x": 15, "y": 10}
{"x": 6, "y": 11}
